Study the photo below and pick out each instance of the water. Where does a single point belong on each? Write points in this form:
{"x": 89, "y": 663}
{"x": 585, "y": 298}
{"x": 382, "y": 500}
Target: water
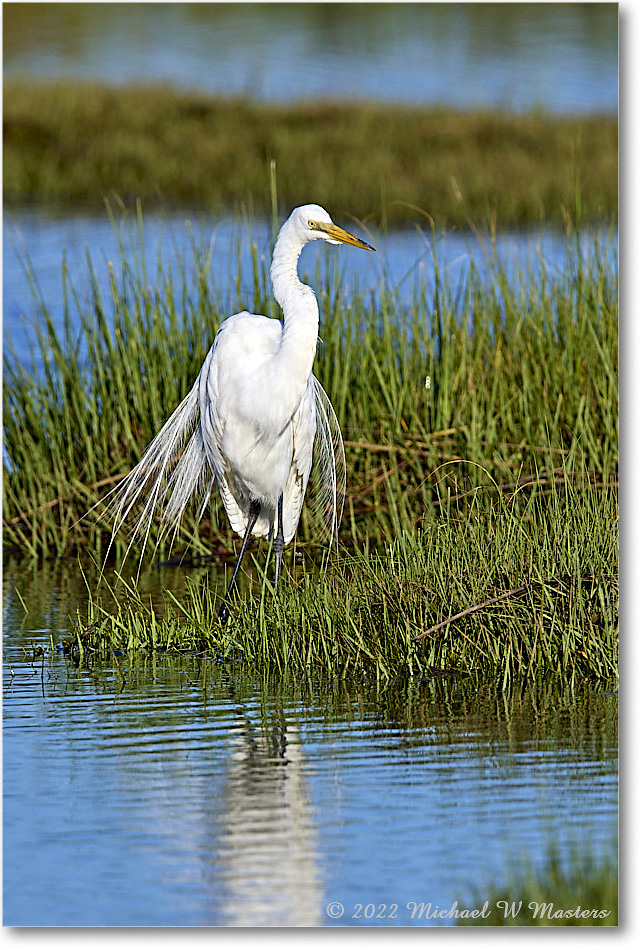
{"x": 562, "y": 57}
{"x": 160, "y": 791}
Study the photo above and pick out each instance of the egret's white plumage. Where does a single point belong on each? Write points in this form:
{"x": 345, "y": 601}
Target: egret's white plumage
{"x": 254, "y": 418}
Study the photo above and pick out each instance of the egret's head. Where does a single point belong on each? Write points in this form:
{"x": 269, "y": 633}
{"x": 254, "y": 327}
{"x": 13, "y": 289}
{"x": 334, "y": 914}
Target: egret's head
{"x": 313, "y": 223}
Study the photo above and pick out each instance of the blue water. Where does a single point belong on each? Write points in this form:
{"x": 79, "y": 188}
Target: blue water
{"x": 558, "y": 56}
{"x": 173, "y": 792}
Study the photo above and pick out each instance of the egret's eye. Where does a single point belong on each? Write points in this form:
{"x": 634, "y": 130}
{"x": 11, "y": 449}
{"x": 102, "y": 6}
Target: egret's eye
{"x": 311, "y": 225}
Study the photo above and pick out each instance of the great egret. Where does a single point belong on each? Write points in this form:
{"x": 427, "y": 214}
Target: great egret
{"x": 252, "y": 418}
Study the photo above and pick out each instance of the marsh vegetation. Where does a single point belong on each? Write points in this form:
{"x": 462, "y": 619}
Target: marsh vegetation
{"x": 67, "y": 145}
{"x": 481, "y": 434}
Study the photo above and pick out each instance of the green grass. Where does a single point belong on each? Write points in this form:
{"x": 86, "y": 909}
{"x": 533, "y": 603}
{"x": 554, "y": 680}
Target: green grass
{"x": 71, "y": 145}
{"x": 369, "y": 611}
{"x": 501, "y": 475}
{"x": 556, "y": 895}
{"x": 523, "y": 383}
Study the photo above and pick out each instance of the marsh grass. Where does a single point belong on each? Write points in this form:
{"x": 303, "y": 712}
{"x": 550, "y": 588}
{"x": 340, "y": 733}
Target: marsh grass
{"x": 372, "y": 611}
{"x": 554, "y": 895}
{"x": 70, "y": 145}
{"x": 522, "y": 383}
{"x": 500, "y": 474}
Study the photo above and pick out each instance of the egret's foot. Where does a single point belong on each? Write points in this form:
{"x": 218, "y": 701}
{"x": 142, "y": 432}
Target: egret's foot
{"x": 223, "y": 613}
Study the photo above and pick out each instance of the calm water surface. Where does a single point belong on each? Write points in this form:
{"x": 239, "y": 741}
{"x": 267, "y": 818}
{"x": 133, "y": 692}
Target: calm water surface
{"x": 559, "y": 56}
{"x": 177, "y": 791}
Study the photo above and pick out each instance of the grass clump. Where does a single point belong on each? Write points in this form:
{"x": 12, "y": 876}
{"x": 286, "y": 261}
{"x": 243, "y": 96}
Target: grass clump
{"x": 386, "y": 612}
{"x": 69, "y": 144}
{"x": 579, "y": 893}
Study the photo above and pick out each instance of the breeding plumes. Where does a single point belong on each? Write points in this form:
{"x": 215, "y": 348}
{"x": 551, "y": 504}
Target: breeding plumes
{"x": 254, "y": 421}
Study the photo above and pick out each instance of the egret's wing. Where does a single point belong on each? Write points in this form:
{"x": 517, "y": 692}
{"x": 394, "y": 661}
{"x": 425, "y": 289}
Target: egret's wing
{"x": 175, "y": 468}
{"x": 328, "y": 475}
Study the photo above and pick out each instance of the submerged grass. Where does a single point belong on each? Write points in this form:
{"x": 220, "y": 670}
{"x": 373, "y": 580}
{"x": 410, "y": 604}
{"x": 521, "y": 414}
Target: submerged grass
{"x": 70, "y": 144}
{"x": 481, "y": 433}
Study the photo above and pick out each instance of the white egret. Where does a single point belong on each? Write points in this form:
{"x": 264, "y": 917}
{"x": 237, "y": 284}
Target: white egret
{"x": 253, "y": 418}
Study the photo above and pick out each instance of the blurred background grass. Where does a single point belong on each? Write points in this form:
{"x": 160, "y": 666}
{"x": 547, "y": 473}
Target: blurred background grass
{"x": 68, "y": 145}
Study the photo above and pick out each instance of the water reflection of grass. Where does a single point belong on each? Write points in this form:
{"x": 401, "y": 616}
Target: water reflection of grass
{"x": 481, "y": 433}
{"x": 70, "y": 144}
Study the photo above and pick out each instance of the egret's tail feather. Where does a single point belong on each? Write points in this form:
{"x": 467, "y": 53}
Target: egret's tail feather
{"x": 328, "y": 475}
{"x": 172, "y": 471}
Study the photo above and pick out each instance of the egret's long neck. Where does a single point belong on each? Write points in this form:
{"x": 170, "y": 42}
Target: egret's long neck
{"x": 299, "y": 305}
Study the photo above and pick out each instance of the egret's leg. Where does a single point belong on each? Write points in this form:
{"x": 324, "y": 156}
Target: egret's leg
{"x": 279, "y": 543}
{"x": 223, "y": 610}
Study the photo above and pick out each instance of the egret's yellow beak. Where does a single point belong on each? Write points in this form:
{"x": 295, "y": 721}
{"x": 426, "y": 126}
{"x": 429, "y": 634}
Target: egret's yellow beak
{"x": 338, "y": 234}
